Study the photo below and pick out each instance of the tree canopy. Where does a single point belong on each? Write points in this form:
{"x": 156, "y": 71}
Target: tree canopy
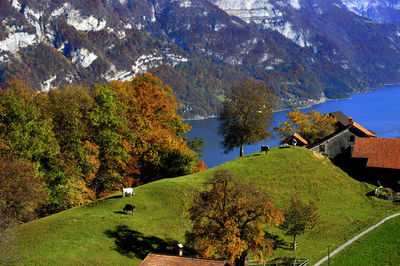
{"x": 246, "y": 115}
{"x": 83, "y": 142}
{"x": 229, "y": 220}
{"x": 21, "y": 189}
{"x": 312, "y": 126}
{"x": 299, "y": 217}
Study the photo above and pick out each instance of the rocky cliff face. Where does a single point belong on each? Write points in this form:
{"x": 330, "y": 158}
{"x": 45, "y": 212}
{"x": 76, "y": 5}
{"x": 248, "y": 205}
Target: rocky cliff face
{"x": 330, "y": 28}
{"x": 295, "y": 19}
{"x": 306, "y": 50}
{"x": 267, "y": 14}
{"x": 77, "y": 40}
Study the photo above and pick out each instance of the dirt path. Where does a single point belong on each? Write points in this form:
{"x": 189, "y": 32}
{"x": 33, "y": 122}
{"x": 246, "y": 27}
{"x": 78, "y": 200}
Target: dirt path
{"x": 340, "y": 248}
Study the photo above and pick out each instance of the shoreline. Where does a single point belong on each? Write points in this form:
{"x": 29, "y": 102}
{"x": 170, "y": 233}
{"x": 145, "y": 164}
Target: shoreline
{"x": 275, "y": 111}
{"x": 197, "y": 118}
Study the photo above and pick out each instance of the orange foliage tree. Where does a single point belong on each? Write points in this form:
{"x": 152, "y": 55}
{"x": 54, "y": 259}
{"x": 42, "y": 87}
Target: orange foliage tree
{"x": 228, "y": 220}
{"x": 150, "y": 110}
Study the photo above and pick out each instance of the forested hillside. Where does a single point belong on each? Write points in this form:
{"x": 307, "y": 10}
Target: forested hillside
{"x": 75, "y": 144}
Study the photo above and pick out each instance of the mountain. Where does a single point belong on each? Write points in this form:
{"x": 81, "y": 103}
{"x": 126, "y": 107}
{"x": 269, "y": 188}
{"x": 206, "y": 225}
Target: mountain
{"x": 376, "y": 10}
{"x": 329, "y": 29}
{"x": 305, "y": 50}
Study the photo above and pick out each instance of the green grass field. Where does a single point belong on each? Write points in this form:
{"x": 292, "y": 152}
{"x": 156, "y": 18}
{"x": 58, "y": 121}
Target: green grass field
{"x": 379, "y": 247}
{"x": 98, "y": 233}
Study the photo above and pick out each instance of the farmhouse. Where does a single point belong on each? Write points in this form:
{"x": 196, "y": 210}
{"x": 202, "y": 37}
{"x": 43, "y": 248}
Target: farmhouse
{"x": 358, "y": 152}
{"x": 341, "y": 141}
{"x": 361, "y": 153}
{"x": 167, "y": 260}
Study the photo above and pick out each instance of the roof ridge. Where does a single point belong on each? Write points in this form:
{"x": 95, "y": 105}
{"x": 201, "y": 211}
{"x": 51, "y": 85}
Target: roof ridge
{"x": 300, "y": 137}
{"x": 366, "y": 131}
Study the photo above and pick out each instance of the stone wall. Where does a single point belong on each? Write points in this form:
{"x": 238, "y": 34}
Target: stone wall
{"x": 336, "y": 145}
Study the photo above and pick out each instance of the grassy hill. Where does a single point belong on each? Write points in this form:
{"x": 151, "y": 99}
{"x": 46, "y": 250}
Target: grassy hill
{"x": 98, "y": 233}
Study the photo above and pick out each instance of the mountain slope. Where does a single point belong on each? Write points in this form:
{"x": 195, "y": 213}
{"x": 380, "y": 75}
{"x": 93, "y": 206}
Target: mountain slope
{"x": 98, "y": 233}
{"x": 377, "y": 10}
{"x": 364, "y": 49}
{"x": 305, "y": 50}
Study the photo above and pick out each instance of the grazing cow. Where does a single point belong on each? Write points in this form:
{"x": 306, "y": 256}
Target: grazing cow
{"x": 129, "y": 208}
{"x": 127, "y": 191}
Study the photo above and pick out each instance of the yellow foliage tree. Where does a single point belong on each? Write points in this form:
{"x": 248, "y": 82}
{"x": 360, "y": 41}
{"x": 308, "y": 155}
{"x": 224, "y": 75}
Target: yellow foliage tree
{"x": 312, "y": 126}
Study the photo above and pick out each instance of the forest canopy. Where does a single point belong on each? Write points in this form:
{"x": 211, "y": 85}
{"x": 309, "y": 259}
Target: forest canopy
{"x": 79, "y": 143}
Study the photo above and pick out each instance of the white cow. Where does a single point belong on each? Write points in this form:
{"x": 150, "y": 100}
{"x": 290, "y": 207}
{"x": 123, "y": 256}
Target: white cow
{"x": 128, "y": 191}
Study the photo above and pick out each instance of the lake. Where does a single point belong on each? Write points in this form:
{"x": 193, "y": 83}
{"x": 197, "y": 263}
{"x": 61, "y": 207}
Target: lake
{"x": 378, "y": 110}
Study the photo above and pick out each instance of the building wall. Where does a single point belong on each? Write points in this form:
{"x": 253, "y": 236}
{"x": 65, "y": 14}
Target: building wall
{"x": 335, "y": 145}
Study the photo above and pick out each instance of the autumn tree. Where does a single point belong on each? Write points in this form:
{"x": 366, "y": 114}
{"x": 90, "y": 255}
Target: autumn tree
{"x": 71, "y": 174}
{"x": 246, "y": 115}
{"x": 150, "y": 111}
{"x": 23, "y": 128}
{"x": 25, "y": 132}
{"x": 111, "y": 133}
{"x": 22, "y": 189}
{"x": 312, "y": 126}
{"x": 299, "y": 217}
{"x": 87, "y": 142}
{"x": 229, "y": 220}
{"x": 69, "y": 108}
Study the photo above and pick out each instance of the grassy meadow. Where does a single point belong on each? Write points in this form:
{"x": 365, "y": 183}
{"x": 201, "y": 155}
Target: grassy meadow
{"x": 379, "y": 247}
{"x": 99, "y": 233}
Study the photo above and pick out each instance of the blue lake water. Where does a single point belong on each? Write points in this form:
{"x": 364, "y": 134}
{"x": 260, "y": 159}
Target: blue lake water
{"x": 378, "y": 110}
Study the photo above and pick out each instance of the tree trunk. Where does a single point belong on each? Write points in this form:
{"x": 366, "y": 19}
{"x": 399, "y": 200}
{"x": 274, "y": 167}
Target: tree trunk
{"x": 242, "y": 260}
{"x": 294, "y": 242}
{"x": 241, "y": 150}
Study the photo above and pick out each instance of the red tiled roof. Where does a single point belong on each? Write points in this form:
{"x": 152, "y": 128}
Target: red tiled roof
{"x": 166, "y": 260}
{"x": 300, "y": 138}
{"x": 381, "y": 153}
{"x": 362, "y": 129}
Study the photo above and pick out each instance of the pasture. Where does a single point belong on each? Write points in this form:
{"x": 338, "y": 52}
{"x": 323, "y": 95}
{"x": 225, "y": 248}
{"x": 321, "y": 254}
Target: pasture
{"x": 100, "y": 233}
{"x": 379, "y": 247}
